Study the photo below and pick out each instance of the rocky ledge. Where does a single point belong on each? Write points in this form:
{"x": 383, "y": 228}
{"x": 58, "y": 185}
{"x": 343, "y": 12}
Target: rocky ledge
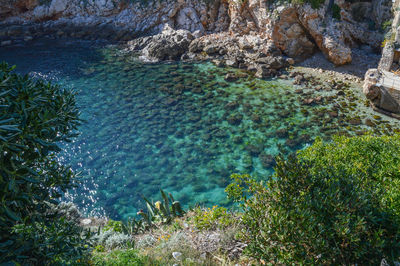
{"x": 256, "y": 35}
{"x": 250, "y": 52}
{"x": 382, "y": 98}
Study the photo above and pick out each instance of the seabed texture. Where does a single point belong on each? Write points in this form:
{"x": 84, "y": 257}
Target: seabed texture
{"x": 180, "y": 126}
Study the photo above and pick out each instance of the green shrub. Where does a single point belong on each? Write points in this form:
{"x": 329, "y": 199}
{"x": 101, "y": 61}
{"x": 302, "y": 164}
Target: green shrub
{"x": 52, "y": 243}
{"x": 387, "y": 25}
{"x": 163, "y": 211}
{"x": 116, "y": 226}
{"x": 333, "y": 203}
{"x": 118, "y": 258}
{"x": 314, "y": 3}
{"x": 34, "y": 117}
{"x": 336, "y": 12}
{"x": 211, "y": 218}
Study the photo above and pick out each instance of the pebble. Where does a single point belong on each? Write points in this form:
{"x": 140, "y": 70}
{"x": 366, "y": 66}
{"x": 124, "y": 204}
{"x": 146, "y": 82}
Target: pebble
{"x": 177, "y": 255}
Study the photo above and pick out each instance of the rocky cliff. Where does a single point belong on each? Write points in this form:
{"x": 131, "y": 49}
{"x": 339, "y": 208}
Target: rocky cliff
{"x": 243, "y": 31}
{"x": 381, "y": 86}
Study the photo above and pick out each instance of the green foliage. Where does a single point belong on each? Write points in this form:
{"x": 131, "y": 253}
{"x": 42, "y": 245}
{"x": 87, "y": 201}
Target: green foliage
{"x": 162, "y": 211}
{"x": 45, "y": 2}
{"x": 56, "y": 243}
{"x": 133, "y": 226}
{"x": 217, "y": 217}
{"x": 387, "y": 25}
{"x": 336, "y": 12}
{"x": 115, "y": 226}
{"x": 118, "y": 258}
{"x": 314, "y": 3}
{"x": 109, "y": 240}
{"x": 335, "y": 203}
{"x": 34, "y": 117}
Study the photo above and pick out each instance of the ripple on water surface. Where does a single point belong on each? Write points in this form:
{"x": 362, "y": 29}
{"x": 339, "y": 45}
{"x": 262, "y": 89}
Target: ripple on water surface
{"x": 179, "y": 126}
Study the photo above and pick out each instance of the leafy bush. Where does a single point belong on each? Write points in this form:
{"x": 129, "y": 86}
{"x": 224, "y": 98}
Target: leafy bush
{"x": 336, "y": 12}
{"x": 118, "y": 258}
{"x": 333, "y": 203}
{"x": 119, "y": 240}
{"x": 314, "y": 3}
{"x": 387, "y": 25}
{"x": 110, "y": 239}
{"x": 217, "y": 217}
{"x": 34, "y": 117}
{"x": 57, "y": 243}
{"x": 161, "y": 211}
{"x": 116, "y": 226}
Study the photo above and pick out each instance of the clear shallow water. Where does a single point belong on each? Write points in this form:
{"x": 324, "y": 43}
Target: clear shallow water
{"x": 179, "y": 126}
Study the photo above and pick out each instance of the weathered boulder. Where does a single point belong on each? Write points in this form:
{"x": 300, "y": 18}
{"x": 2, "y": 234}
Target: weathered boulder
{"x": 262, "y": 71}
{"x": 291, "y": 37}
{"x": 272, "y": 62}
{"x": 237, "y": 32}
{"x": 326, "y": 34}
{"x": 378, "y": 95}
{"x": 170, "y": 44}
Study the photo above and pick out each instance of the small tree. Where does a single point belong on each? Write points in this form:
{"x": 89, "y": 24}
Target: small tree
{"x": 333, "y": 203}
{"x": 34, "y": 117}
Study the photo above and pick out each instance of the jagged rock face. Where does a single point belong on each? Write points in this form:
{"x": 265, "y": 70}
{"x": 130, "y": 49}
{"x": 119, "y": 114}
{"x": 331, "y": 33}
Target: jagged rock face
{"x": 248, "y": 16}
{"x": 326, "y": 34}
{"x": 255, "y": 24}
{"x": 189, "y": 15}
{"x": 14, "y": 7}
{"x": 291, "y": 37}
{"x": 170, "y": 44}
{"x": 377, "y": 94}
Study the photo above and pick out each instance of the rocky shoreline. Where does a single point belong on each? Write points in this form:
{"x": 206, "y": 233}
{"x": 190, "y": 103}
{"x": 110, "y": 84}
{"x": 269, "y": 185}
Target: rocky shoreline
{"x": 253, "y": 35}
{"x": 341, "y": 38}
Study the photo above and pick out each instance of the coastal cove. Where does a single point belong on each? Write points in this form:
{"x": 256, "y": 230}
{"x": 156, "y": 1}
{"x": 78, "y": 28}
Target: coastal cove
{"x": 182, "y": 126}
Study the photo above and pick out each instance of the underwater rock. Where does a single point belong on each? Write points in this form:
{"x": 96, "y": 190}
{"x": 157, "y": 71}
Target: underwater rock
{"x": 194, "y": 118}
{"x": 272, "y": 62}
{"x": 355, "y": 121}
{"x": 299, "y": 79}
{"x": 291, "y": 143}
{"x": 253, "y": 150}
{"x": 263, "y": 71}
{"x": 267, "y": 161}
{"x": 235, "y": 119}
{"x": 231, "y": 105}
{"x": 230, "y": 77}
{"x": 220, "y": 133}
{"x": 218, "y": 63}
{"x": 282, "y": 133}
{"x": 256, "y": 118}
{"x": 247, "y": 162}
{"x": 197, "y": 90}
{"x": 369, "y": 123}
{"x": 237, "y": 139}
{"x": 170, "y": 101}
{"x": 309, "y": 101}
{"x": 284, "y": 114}
{"x": 206, "y": 137}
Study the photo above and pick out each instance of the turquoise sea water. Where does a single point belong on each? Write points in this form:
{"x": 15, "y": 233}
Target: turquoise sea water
{"x": 179, "y": 126}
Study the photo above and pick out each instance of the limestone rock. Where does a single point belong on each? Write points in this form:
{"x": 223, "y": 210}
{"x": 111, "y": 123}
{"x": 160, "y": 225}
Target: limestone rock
{"x": 291, "y": 37}
{"x": 377, "y": 94}
{"x": 326, "y": 33}
{"x": 170, "y": 44}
